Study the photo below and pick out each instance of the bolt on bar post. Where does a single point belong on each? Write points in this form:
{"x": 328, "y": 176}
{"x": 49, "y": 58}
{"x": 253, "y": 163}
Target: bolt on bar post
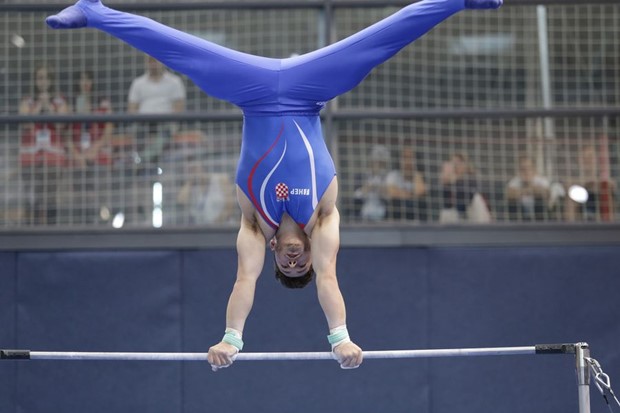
{"x": 582, "y": 351}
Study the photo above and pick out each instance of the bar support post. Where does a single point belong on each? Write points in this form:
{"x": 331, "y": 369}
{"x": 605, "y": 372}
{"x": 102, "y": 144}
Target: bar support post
{"x": 582, "y": 351}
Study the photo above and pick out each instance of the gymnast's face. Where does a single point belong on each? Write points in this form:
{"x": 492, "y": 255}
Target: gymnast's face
{"x": 292, "y": 254}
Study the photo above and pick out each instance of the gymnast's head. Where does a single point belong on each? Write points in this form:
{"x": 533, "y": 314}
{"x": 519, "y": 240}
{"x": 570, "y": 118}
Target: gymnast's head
{"x": 293, "y": 260}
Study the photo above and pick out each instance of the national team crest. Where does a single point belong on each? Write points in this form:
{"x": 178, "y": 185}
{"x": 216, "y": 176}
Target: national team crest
{"x": 281, "y": 192}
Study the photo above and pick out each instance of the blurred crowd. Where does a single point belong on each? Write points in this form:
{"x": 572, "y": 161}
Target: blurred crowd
{"x": 398, "y": 190}
{"x": 112, "y": 174}
{"x": 115, "y": 174}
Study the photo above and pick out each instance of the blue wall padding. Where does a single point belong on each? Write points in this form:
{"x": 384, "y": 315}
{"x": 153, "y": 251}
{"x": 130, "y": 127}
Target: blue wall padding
{"x": 397, "y": 298}
{"x": 99, "y": 301}
{"x": 505, "y": 297}
{"x": 7, "y": 329}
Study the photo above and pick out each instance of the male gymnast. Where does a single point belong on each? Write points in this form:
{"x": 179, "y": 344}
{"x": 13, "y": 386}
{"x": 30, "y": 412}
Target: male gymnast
{"x": 286, "y": 179}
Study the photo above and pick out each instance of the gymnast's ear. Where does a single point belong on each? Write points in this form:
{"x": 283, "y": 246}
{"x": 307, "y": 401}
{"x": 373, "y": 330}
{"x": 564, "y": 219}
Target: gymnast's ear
{"x": 272, "y": 243}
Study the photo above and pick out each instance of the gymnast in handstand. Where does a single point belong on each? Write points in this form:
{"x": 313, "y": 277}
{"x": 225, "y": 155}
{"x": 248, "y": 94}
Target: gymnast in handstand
{"x": 286, "y": 179}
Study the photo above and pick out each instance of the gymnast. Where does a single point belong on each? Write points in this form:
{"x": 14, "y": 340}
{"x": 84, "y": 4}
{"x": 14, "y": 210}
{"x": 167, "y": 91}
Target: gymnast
{"x": 286, "y": 179}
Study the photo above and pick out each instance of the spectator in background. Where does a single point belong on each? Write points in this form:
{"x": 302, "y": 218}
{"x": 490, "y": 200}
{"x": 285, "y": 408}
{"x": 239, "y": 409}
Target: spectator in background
{"x": 371, "y": 198}
{"x": 42, "y": 149}
{"x": 597, "y": 204}
{"x": 388, "y": 193}
{"x": 90, "y": 150}
{"x": 208, "y": 197}
{"x": 406, "y": 189}
{"x": 156, "y": 91}
{"x": 461, "y": 198}
{"x": 528, "y": 193}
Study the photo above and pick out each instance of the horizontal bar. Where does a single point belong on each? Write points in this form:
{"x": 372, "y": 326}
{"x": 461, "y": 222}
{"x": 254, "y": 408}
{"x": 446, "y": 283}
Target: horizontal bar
{"x": 119, "y": 117}
{"x": 181, "y": 6}
{"x": 354, "y": 114}
{"x": 341, "y": 114}
{"x": 396, "y": 354}
{"x": 270, "y": 4}
{"x": 387, "y": 354}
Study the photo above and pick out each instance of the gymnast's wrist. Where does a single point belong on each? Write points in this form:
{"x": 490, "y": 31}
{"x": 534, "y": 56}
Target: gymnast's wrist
{"x": 234, "y": 338}
{"x": 338, "y": 335}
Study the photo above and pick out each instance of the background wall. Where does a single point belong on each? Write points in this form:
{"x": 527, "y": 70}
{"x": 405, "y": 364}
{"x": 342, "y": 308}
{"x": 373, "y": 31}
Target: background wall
{"x": 397, "y": 298}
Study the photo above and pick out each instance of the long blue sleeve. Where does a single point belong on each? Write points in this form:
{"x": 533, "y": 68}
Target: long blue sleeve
{"x": 239, "y": 78}
{"x": 333, "y": 70}
{"x": 265, "y": 86}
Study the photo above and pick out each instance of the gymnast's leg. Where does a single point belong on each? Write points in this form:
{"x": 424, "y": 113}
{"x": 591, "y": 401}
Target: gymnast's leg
{"x": 333, "y": 70}
{"x": 221, "y": 72}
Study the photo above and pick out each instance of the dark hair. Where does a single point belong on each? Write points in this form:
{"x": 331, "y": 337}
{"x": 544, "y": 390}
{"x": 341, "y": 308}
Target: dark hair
{"x": 50, "y": 76}
{"x": 77, "y": 77}
{"x": 294, "y": 282}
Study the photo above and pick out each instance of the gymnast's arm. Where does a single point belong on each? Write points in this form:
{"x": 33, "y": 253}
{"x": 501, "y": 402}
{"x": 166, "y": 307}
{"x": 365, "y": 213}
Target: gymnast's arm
{"x": 251, "y": 257}
{"x": 325, "y": 243}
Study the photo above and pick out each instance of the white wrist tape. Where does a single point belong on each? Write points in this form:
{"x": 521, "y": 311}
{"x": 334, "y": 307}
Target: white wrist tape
{"x": 338, "y": 335}
{"x": 234, "y": 338}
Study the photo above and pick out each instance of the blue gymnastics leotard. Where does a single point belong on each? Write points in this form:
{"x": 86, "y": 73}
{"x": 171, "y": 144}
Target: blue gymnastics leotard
{"x": 284, "y": 165}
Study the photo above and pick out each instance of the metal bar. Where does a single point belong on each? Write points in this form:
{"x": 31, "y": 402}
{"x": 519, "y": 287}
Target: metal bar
{"x": 125, "y": 118}
{"x": 338, "y": 114}
{"x": 388, "y": 354}
{"x": 349, "y": 114}
{"x": 331, "y": 107}
{"x": 270, "y": 4}
{"x": 396, "y": 354}
{"x": 172, "y": 6}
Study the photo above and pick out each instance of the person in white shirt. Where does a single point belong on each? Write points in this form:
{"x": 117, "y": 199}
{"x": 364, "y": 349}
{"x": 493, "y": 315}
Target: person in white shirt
{"x": 371, "y": 196}
{"x": 156, "y": 91}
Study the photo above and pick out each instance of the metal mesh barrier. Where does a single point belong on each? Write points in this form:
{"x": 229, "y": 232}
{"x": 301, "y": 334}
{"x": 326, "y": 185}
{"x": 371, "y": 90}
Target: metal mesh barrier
{"x": 402, "y": 167}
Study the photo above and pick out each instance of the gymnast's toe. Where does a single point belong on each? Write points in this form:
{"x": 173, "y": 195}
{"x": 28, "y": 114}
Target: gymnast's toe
{"x": 70, "y": 18}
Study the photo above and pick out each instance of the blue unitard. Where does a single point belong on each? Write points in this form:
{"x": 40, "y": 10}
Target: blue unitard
{"x": 284, "y": 165}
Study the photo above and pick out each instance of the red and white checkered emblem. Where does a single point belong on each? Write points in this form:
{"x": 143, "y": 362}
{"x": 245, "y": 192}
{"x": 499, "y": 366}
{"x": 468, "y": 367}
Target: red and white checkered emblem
{"x": 281, "y": 192}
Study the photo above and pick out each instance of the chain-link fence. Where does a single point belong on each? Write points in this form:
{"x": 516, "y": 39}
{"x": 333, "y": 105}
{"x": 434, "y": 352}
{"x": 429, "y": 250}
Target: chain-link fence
{"x": 464, "y": 125}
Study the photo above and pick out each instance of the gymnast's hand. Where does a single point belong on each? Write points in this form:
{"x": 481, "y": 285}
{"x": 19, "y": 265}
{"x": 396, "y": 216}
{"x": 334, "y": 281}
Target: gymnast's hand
{"x": 222, "y": 355}
{"x": 349, "y": 355}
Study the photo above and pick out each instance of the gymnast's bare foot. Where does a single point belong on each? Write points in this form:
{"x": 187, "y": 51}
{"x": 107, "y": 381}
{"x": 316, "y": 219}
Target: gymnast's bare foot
{"x": 72, "y": 17}
{"x": 483, "y": 4}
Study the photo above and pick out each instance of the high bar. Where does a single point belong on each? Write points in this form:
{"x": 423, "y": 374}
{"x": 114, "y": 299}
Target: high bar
{"x": 283, "y": 356}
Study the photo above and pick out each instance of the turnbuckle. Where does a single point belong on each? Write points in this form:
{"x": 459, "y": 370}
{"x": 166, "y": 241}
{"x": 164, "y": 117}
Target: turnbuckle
{"x": 602, "y": 381}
